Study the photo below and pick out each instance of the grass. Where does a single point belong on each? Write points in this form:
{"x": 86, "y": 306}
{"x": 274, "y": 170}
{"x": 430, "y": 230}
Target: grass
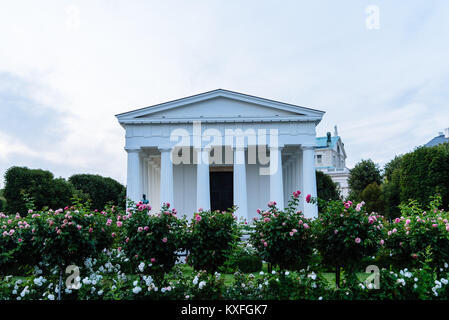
{"x": 229, "y": 278}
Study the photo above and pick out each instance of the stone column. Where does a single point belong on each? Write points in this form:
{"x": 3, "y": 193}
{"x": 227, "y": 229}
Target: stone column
{"x": 202, "y": 179}
{"x": 166, "y": 187}
{"x": 276, "y": 181}
{"x": 240, "y": 189}
{"x": 133, "y": 175}
{"x": 309, "y": 180}
{"x": 152, "y": 182}
{"x": 145, "y": 173}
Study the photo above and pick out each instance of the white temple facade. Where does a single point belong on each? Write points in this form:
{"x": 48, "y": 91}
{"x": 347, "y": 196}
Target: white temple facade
{"x": 221, "y": 148}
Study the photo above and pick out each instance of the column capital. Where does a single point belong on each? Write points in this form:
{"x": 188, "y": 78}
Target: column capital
{"x": 131, "y": 150}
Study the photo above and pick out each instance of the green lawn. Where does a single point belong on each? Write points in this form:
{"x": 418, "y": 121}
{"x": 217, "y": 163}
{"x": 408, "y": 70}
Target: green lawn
{"x": 229, "y": 278}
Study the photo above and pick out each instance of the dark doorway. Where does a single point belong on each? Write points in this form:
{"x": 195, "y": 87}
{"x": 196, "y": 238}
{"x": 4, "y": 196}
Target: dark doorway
{"x": 221, "y": 190}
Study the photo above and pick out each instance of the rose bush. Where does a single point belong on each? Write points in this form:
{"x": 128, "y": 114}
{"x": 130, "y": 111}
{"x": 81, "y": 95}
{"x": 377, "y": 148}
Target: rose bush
{"x": 346, "y": 233}
{"x": 212, "y": 236}
{"x": 283, "y": 238}
{"x": 17, "y": 248}
{"x": 410, "y": 235}
{"x": 151, "y": 241}
{"x": 70, "y": 235}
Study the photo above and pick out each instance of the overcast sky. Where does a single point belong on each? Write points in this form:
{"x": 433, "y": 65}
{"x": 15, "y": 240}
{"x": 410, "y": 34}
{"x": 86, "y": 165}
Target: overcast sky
{"x": 67, "y": 67}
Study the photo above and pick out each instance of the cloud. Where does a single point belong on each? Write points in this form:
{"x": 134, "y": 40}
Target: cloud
{"x": 67, "y": 68}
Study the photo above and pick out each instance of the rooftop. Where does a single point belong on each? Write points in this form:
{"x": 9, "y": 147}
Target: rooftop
{"x": 321, "y": 142}
{"x": 437, "y": 140}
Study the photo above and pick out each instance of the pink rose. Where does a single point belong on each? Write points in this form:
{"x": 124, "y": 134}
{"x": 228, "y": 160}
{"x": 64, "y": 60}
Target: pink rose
{"x": 306, "y": 226}
{"x": 164, "y": 240}
{"x": 139, "y": 229}
{"x": 153, "y": 260}
{"x": 358, "y": 240}
{"x": 119, "y": 224}
{"x": 308, "y": 198}
{"x": 197, "y": 218}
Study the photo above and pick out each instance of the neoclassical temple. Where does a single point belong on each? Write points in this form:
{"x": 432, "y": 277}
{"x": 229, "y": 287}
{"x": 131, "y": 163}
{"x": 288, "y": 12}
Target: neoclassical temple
{"x": 221, "y": 148}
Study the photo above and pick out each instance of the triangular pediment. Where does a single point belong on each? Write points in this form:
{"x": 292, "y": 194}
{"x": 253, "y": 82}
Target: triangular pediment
{"x": 219, "y": 104}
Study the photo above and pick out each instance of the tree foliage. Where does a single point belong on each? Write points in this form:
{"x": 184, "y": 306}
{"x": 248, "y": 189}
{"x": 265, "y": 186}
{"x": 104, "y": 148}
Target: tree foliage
{"x": 327, "y": 189}
{"x": 364, "y": 173}
{"x": 425, "y": 172}
{"x": 373, "y": 197}
{"x": 38, "y": 184}
{"x": 100, "y": 190}
{"x": 391, "y": 187}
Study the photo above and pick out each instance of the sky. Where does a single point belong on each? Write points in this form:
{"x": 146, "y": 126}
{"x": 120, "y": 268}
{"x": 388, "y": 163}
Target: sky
{"x": 380, "y": 70}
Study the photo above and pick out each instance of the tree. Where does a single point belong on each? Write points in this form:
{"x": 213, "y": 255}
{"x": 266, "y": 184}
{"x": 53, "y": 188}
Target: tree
{"x": 364, "y": 173}
{"x": 391, "y": 187}
{"x": 326, "y": 188}
{"x": 2, "y": 200}
{"x": 373, "y": 197}
{"x": 39, "y": 184}
{"x": 100, "y": 190}
{"x": 391, "y": 166}
{"x": 425, "y": 172}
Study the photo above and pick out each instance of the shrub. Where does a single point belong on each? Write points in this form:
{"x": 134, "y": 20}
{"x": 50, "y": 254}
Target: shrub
{"x": 326, "y": 188}
{"x": 364, "y": 173}
{"x": 283, "y": 238}
{"x": 243, "y": 258}
{"x": 345, "y": 234}
{"x": 249, "y": 263}
{"x": 70, "y": 235}
{"x": 100, "y": 190}
{"x": 409, "y": 236}
{"x": 39, "y": 184}
{"x": 391, "y": 188}
{"x": 151, "y": 241}
{"x": 277, "y": 286}
{"x": 211, "y": 238}
{"x": 425, "y": 172}
{"x": 373, "y": 197}
{"x": 17, "y": 248}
